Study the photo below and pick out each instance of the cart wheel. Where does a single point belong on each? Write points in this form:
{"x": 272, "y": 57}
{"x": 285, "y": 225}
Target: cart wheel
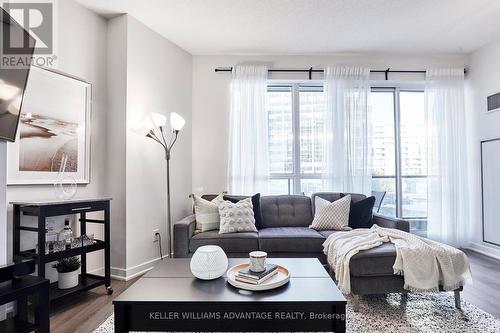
{"x": 109, "y": 290}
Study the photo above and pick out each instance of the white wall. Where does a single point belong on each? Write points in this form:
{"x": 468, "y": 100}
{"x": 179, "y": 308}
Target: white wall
{"x": 3, "y": 211}
{"x": 81, "y": 52}
{"x": 142, "y": 72}
{"x": 3, "y": 203}
{"x": 158, "y": 80}
{"x": 146, "y": 73}
{"x": 133, "y": 70}
{"x": 483, "y": 79}
{"x": 116, "y": 137}
{"x": 211, "y": 100}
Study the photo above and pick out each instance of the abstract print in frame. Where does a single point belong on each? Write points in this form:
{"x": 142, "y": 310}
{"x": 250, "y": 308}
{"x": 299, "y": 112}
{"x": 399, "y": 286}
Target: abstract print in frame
{"x": 54, "y": 130}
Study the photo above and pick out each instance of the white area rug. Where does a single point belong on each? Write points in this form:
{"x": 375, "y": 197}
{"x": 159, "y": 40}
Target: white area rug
{"x": 425, "y": 312}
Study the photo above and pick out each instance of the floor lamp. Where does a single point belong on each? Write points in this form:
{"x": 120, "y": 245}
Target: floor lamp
{"x": 153, "y": 128}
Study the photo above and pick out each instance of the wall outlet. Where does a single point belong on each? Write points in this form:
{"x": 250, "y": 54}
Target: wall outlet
{"x": 155, "y": 236}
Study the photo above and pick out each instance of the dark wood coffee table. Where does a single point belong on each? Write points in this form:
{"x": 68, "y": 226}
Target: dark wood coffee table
{"x": 169, "y": 298}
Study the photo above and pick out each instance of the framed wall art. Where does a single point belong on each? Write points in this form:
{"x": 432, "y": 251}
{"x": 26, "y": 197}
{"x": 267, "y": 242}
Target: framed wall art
{"x": 490, "y": 180}
{"x": 54, "y": 130}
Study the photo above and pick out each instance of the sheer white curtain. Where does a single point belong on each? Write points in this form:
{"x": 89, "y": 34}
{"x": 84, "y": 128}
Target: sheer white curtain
{"x": 248, "y": 170}
{"x": 348, "y": 130}
{"x": 448, "y": 212}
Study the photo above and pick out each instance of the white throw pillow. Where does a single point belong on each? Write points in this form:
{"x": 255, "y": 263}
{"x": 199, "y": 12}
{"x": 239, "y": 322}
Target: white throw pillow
{"x": 319, "y": 204}
{"x": 207, "y": 212}
{"x": 236, "y": 217}
{"x": 333, "y": 216}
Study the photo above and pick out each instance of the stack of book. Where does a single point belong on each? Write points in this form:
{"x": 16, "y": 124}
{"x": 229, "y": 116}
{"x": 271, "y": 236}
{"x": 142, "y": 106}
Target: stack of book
{"x": 248, "y": 276}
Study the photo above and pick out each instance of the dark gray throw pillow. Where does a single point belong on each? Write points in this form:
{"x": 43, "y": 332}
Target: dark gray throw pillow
{"x": 361, "y": 213}
{"x": 255, "y": 202}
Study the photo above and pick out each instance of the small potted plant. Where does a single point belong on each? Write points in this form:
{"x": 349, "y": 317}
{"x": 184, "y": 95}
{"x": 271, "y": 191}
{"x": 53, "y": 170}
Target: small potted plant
{"x": 67, "y": 269}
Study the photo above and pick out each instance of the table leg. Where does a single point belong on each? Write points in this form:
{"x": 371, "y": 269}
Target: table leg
{"x": 339, "y": 323}
{"x": 83, "y": 231}
{"x": 22, "y": 308}
{"x": 43, "y": 309}
{"x": 16, "y": 239}
{"x": 41, "y": 244}
{"x": 120, "y": 325}
{"x": 107, "y": 250}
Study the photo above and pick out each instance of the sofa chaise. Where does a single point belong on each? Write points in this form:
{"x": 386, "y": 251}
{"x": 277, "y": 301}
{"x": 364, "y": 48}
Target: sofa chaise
{"x": 285, "y": 232}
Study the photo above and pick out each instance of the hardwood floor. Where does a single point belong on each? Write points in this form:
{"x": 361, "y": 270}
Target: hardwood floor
{"x": 485, "y": 289}
{"x": 86, "y": 312}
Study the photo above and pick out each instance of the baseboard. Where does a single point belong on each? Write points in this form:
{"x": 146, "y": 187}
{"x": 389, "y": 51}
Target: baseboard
{"x": 486, "y": 249}
{"x": 117, "y": 273}
{"x": 126, "y": 274}
{"x": 97, "y": 271}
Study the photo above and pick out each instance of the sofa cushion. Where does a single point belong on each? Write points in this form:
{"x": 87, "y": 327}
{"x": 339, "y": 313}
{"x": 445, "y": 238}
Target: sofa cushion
{"x": 236, "y": 217}
{"x": 290, "y": 239}
{"x": 361, "y": 213}
{"x": 207, "y": 212}
{"x": 326, "y": 233}
{"x": 332, "y": 196}
{"x": 374, "y": 262}
{"x": 318, "y": 204}
{"x": 333, "y": 216}
{"x": 329, "y": 196}
{"x": 239, "y": 242}
{"x": 286, "y": 211}
{"x": 355, "y": 197}
{"x": 255, "y": 203}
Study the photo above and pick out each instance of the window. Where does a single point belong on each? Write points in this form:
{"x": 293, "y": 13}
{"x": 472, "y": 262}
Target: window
{"x": 296, "y": 114}
{"x": 296, "y": 138}
{"x": 399, "y": 153}
{"x": 384, "y": 149}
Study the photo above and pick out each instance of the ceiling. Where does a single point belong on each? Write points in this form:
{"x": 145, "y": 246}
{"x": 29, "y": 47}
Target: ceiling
{"x": 204, "y": 27}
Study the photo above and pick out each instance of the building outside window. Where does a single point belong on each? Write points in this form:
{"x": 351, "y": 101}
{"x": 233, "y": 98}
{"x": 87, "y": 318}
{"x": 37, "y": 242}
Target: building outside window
{"x": 399, "y": 163}
{"x": 296, "y": 129}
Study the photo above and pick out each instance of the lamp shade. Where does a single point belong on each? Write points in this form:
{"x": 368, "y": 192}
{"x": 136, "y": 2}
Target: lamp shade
{"x": 158, "y": 119}
{"x": 176, "y": 121}
{"x": 209, "y": 262}
{"x": 149, "y": 123}
{"x": 144, "y": 127}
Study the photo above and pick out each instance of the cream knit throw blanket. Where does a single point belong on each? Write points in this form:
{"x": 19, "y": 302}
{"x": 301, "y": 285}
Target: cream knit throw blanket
{"x": 425, "y": 264}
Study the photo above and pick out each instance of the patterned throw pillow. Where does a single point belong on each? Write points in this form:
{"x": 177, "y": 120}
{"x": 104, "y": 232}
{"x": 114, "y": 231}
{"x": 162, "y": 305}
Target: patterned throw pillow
{"x": 207, "y": 213}
{"x": 319, "y": 204}
{"x": 334, "y": 216}
{"x": 257, "y": 214}
{"x": 236, "y": 217}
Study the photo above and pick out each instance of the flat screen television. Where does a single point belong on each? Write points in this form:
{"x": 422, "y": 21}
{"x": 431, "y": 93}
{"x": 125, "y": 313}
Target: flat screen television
{"x": 12, "y": 79}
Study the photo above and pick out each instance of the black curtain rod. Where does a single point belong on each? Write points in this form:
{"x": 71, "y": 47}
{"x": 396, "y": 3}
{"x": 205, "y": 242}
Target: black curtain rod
{"x": 311, "y": 70}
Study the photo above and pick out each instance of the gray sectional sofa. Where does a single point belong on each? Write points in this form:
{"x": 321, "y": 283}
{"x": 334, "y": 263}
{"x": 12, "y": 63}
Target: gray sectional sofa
{"x": 284, "y": 231}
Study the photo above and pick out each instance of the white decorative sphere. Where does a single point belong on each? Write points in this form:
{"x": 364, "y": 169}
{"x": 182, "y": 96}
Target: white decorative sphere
{"x": 209, "y": 262}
